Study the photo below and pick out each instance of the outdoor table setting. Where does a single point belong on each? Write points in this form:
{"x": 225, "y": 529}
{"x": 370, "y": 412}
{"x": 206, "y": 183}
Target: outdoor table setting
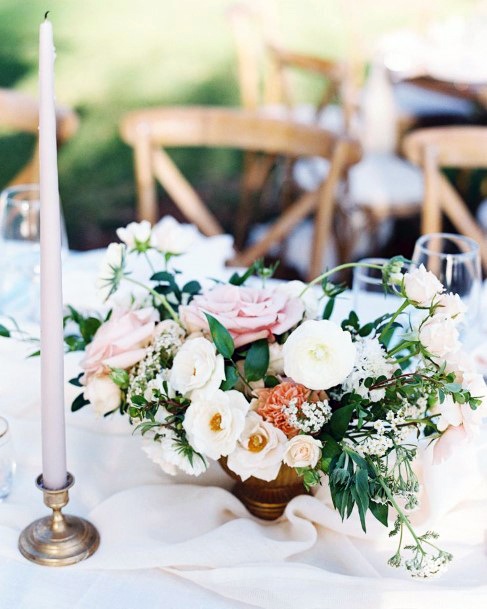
{"x": 205, "y": 436}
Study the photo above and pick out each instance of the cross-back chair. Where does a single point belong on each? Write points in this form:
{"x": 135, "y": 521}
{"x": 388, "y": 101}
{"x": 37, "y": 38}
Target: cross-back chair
{"x": 19, "y": 112}
{"x": 443, "y": 147}
{"x": 150, "y": 131}
{"x": 265, "y": 72}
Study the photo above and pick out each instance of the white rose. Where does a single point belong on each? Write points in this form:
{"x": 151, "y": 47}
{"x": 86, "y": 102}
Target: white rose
{"x": 171, "y": 237}
{"x": 135, "y": 234}
{"x": 319, "y": 354}
{"x": 165, "y": 452}
{"x": 439, "y": 335}
{"x": 302, "y": 451}
{"x": 310, "y": 299}
{"x": 422, "y": 286}
{"x": 276, "y": 359}
{"x": 259, "y": 450}
{"x": 103, "y": 394}
{"x": 214, "y": 421}
{"x": 197, "y": 367}
{"x": 454, "y": 414}
{"x": 452, "y": 305}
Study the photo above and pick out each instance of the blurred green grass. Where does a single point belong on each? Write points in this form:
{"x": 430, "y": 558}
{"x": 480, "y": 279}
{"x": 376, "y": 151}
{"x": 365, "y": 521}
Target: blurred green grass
{"x": 116, "y": 56}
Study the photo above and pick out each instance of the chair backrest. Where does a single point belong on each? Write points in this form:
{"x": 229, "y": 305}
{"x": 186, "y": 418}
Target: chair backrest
{"x": 443, "y": 147}
{"x": 150, "y": 131}
{"x": 20, "y": 112}
{"x": 264, "y": 65}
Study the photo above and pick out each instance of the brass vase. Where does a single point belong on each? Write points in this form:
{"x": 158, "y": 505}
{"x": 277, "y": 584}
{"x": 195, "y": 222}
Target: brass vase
{"x": 267, "y": 500}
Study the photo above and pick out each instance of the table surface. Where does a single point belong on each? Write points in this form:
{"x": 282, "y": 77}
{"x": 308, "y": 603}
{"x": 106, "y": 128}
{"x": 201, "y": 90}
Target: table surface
{"x": 187, "y": 542}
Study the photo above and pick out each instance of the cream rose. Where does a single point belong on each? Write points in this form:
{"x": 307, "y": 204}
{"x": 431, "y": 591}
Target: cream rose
{"x": 197, "y": 367}
{"x": 136, "y": 235}
{"x": 421, "y": 286}
{"x": 302, "y": 451}
{"x": 103, "y": 394}
{"x": 319, "y": 354}
{"x": 439, "y": 335}
{"x": 276, "y": 359}
{"x": 259, "y": 450}
{"x": 214, "y": 422}
{"x": 452, "y": 305}
{"x": 309, "y": 299}
{"x": 171, "y": 237}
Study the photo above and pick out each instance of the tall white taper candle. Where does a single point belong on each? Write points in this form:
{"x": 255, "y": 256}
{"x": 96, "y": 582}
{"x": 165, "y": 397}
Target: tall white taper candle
{"x": 52, "y": 345}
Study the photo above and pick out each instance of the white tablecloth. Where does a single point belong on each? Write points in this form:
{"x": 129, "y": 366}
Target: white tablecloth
{"x": 185, "y": 542}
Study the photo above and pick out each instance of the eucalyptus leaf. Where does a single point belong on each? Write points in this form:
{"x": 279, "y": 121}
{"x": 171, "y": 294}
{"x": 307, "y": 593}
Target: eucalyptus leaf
{"x": 4, "y": 331}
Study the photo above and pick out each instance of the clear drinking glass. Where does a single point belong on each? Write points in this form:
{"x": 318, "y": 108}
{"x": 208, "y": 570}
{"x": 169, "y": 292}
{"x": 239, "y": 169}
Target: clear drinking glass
{"x": 455, "y": 260}
{"x": 20, "y": 250}
{"x": 369, "y": 299}
{"x": 7, "y": 462}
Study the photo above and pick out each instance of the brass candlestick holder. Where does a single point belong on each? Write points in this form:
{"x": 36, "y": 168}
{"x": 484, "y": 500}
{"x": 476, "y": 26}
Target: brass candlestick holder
{"x": 59, "y": 539}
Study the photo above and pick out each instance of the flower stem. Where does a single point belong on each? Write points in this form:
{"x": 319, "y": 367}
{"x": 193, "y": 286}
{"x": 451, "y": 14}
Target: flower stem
{"x": 404, "y": 305}
{"x": 400, "y": 513}
{"x": 159, "y": 297}
{"x": 341, "y": 267}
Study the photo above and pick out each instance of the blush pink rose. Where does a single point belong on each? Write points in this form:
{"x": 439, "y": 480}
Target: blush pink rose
{"x": 120, "y": 342}
{"x": 247, "y": 313}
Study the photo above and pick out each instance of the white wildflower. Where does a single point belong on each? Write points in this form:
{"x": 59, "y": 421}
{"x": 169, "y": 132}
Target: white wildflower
{"x": 370, "y": 362}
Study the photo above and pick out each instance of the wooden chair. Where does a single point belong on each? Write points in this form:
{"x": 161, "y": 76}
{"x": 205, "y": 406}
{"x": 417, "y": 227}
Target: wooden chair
{"x": 19, "y": 112}
{"x": 150, "y": 131}
{"x": 265, "y": 69}
{"x": 434, "y": 149}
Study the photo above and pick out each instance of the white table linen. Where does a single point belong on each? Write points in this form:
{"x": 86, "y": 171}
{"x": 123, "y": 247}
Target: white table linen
{"x": 187, "y": 542}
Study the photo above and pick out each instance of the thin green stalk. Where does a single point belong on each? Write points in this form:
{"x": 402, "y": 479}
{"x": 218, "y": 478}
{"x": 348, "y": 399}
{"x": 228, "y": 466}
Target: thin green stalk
{"x": 162, "y": 299}
{"x": 404, "y": 305}
{"x": 146, "y": 256}
{"x": 341, "y": 267}
{"x": 400, "y": 513}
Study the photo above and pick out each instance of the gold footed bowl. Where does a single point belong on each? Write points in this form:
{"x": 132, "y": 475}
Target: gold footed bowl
{"x": 267, "y": 500}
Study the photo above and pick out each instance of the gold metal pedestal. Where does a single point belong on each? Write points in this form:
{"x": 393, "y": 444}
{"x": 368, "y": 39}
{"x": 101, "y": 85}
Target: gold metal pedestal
{"x": 59, "y": 539}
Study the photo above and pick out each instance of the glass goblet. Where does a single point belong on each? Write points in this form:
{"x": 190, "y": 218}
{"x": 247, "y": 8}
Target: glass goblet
{"x": 20, "y": 250}
{"x": 455, "y": 260}
{"x": 7, "y": 463}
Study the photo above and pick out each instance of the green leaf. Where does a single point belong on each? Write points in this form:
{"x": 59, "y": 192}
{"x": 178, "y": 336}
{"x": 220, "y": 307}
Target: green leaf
{"x": 120, "y": 377}
{"x": 74, "y": 343}
{"x": 331, "y": 448}
{"x": 35, "y": 354}
{"x": 340, "y": 420}
{"x": 221, "y": 337}
{"x": 138, "y": 400}
{"x": 328, "y": 310}
{"x": 271, "y": 381}
{"x": 163, "y": 276}
{"x": 4, "y": 331}
{"x": 380, "y": 511}
{"x": 452, "y": 387}
{"x": 88, "y": 328}
{"x": 76, "y": 380}
{"x": 192, "y": 287}
{"x": 231, "y": 378}
{"x": 257, "y": 360}
{"x": 78, "y": 403}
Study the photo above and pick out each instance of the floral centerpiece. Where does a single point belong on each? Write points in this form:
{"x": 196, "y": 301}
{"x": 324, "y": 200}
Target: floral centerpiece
{"x": 260, "y": 376}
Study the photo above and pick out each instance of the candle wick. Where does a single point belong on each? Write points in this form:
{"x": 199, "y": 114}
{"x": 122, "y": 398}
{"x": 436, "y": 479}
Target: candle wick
{"x": 46, "y": 14}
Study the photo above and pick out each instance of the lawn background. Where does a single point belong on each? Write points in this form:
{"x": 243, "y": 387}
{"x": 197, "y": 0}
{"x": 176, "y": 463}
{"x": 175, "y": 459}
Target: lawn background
{"x": 117, "y": 55}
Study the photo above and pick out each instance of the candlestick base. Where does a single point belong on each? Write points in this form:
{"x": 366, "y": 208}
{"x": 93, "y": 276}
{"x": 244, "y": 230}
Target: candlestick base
{"x": 59, "y": 539}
